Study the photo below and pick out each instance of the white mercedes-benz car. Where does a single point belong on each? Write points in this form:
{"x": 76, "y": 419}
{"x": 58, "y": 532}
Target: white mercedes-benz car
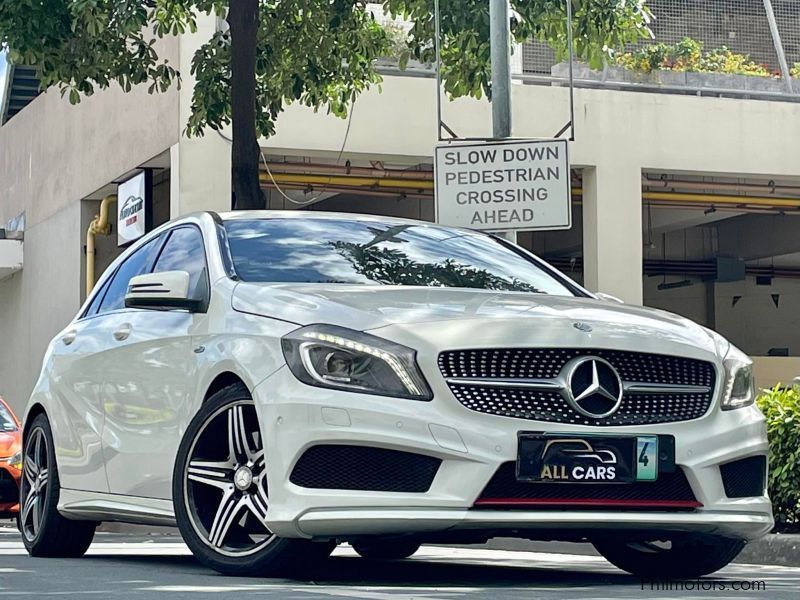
{"x": 274, "y": 383}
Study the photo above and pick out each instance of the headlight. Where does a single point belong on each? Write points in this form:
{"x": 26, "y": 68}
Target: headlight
{"x": 740, "y": 389}
{"x": 335, "y": 357}
{"x": 16, "y": 461}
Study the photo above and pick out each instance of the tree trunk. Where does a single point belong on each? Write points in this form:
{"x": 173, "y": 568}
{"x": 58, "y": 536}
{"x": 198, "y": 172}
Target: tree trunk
{"x": 243, "y": 19}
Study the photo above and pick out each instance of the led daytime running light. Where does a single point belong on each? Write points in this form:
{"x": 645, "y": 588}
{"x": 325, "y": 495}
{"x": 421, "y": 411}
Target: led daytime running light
{"x": 386, "y": 357}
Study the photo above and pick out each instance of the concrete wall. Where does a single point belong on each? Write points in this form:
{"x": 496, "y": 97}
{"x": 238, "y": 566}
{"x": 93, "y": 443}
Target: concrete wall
{"x": 200, "y": 166}
{"x": 52, "y": 155}
{"x": 690, "y": 302}
{"x": 39, "y": 300}
{"x": 754, "y": 323}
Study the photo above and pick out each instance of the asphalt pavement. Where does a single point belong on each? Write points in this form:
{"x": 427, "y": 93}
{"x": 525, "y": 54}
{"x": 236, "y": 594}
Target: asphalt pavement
{"x": 159, "y": 566}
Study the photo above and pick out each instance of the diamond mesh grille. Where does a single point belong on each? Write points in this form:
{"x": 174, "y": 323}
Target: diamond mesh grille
{"x": 550, "y": 406}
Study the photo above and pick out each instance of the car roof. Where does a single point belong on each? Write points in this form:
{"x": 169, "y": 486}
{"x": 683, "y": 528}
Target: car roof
{"x": 305, "y": 214}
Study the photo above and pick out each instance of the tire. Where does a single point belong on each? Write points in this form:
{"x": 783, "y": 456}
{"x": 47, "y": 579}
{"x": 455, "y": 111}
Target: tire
{"x": 219, "y": 492}
{"x": 386, "y": 548}
{"x": 688, "y": 557}
{"x": 45, "y": 532}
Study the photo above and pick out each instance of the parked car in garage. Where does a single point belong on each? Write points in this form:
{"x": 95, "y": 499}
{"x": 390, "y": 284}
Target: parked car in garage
{"x": 274, "y": 383}
{"x": 10, "y": 461}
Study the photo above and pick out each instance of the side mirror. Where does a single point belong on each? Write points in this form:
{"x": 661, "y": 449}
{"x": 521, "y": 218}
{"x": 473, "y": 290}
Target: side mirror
{"x": 608, "y": 297}
{"x": 160, "y": 291}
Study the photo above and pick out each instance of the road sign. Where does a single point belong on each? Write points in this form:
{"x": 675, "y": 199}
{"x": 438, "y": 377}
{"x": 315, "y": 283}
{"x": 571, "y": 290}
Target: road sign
{"x": 503, "y": 186}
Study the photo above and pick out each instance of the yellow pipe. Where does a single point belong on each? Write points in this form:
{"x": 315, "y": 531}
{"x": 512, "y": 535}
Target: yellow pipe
{"x": 722, "y": 199}
{"x": 418, "y": 184}
{"x": 712, "y": 199}
{"x": 421, "y": 184}
{"x": 98, "y": 226}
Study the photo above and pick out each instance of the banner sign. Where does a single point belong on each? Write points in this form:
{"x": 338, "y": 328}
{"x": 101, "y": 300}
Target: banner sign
{"x": 133, "y": 208}
{"x": 504, "y": 185}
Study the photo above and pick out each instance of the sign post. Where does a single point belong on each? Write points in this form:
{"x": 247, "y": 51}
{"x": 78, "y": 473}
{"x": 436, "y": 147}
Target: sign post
{"x": 500, "y": 56}
{"x": 509, "y": 185}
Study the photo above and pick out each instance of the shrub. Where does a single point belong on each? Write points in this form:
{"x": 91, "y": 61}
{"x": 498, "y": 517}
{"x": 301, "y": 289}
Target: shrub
{"x": 781, "y": 407}
{"x": 398, "y": 44}
{"x": 688, "y": 55}
{"x": 795, "y": 70}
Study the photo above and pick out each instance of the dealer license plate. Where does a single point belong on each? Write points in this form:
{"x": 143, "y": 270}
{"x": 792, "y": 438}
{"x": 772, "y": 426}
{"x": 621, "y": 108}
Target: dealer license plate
{"x": 554, "y": 458}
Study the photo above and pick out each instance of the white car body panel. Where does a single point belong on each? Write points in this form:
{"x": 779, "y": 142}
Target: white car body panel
{"x": 371, "y": 307}
{"x": 71, "y": 385}
{"x": 143, "y": 415}
{"x": 122, "y": 406}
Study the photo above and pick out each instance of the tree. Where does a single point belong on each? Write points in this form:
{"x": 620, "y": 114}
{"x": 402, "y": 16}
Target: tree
{"x": 599, "y": 28}
{"x": 320, "y": 53}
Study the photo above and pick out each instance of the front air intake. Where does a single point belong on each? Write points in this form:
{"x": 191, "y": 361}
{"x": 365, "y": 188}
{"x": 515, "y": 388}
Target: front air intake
{"x": 745, "y": 477}
{"x": 365, "y": 468}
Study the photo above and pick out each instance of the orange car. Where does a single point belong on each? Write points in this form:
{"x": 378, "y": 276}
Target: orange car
{"x": 10, "y": 461}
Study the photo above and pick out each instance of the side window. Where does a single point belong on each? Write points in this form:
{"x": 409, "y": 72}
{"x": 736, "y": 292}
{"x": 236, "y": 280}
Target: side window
{"x": 137, "y": 263}
{"x": 184, "y": 251}
{"x": 98, "y": 298}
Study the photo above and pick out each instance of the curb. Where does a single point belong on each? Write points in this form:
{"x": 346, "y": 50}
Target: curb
{"x": 781, "y": 549}
{"x": 773, "y": 549}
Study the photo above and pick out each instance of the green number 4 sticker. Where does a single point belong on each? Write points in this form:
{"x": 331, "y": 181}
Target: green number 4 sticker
{"x": 647, "y": 458}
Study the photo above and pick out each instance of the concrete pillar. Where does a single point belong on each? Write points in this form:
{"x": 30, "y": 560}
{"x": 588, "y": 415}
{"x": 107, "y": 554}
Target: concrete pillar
{"x": 200, "y": 166}
{"x": 612, "y": 230}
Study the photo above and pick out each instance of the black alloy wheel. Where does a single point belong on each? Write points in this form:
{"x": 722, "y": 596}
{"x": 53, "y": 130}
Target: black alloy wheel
{"x": 221, "y": 495}
{"x": 45, "y": 532}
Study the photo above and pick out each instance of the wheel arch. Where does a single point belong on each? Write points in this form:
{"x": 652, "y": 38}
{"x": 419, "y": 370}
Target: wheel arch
{"x": 221, "y": 381}
{"x": 33, "y": 411}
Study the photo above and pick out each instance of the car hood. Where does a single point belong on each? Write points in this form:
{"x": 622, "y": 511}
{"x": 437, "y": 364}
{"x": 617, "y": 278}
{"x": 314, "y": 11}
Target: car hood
{"x": 469, "y": 318}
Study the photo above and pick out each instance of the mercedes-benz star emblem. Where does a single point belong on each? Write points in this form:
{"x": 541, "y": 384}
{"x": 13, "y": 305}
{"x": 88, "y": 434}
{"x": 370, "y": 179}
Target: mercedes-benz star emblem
{"x": 594, "y": 387}
{"x": 243, "y": 478}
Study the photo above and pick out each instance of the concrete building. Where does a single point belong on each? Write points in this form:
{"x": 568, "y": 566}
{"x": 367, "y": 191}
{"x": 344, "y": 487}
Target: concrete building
{"x": 685, "y": 199}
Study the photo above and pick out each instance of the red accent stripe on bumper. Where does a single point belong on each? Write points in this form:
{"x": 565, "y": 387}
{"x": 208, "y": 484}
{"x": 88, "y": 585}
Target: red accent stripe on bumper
{"x": 605, "y": 502}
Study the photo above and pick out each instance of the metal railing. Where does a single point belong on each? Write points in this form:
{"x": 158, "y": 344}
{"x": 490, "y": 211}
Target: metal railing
{"x": 715, "y": 91}
{"x": 743, "y": 26}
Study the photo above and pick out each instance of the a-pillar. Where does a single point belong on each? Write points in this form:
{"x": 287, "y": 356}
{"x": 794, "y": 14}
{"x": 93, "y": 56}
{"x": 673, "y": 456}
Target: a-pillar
{"x": 200, "y": 177}
{"x": 612, "y": 230}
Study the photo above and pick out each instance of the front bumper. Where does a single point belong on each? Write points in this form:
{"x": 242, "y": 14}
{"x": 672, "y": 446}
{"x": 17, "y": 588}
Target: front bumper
{"x": 549, "y": 524}
{"x": 472, "y": 446}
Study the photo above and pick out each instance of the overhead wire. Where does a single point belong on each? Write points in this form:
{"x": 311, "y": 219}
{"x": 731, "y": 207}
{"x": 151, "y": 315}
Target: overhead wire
{"x": 325, "y": 187}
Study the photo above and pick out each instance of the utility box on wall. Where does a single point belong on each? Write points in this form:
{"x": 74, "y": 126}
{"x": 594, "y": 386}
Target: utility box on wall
{"x": 730, "y": 269}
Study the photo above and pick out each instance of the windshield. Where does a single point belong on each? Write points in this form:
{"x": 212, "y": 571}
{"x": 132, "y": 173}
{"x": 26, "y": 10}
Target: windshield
{"x": 324, "y": 250}
{"x": 7, "y": 422}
